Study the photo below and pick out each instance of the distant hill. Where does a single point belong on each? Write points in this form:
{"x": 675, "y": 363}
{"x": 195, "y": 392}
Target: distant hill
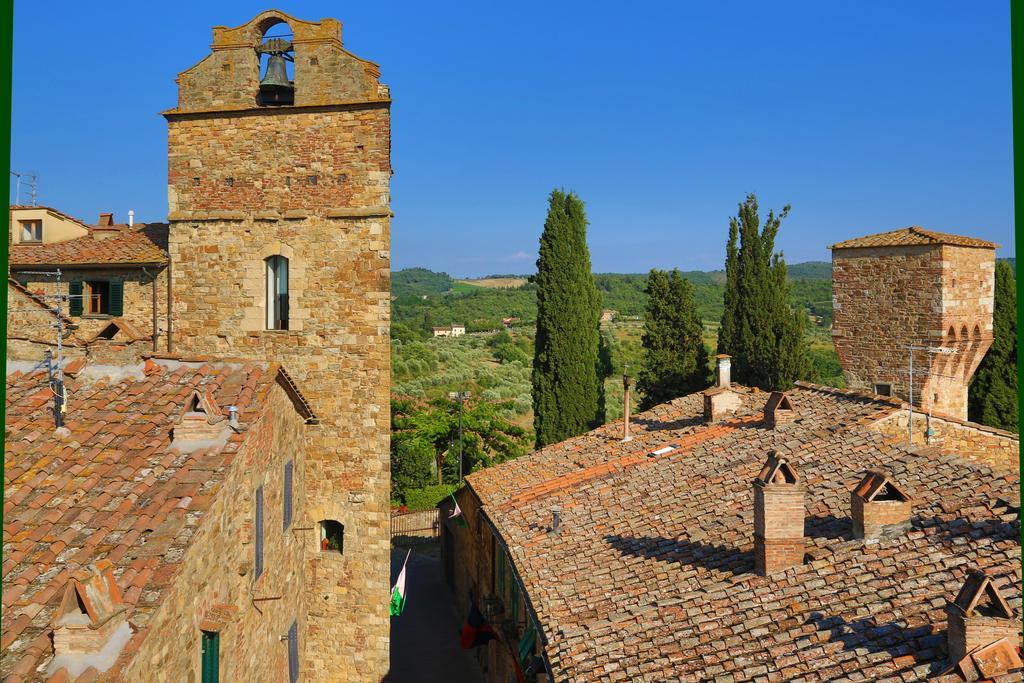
{"x": 810, "y": 270}
{"x": 419, "y": 281}
{"x": 481, "y": 303}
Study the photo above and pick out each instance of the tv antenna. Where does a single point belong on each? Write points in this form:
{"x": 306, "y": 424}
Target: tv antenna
{"x": 32, "y": 178}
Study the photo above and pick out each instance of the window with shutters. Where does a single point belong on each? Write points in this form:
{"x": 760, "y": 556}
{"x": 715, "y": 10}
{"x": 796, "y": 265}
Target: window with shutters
{"x": 277, "y": 293}
{"x": 259, "y": 534}
{"x": 293, "y": 653}
{"x": 288, "y": 473}
{"x": 211, "y": 657}
{"x": 96, "y": 298}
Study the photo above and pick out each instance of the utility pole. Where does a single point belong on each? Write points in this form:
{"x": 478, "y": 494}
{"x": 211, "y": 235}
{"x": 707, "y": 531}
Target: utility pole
{"x": 461, "y": 397}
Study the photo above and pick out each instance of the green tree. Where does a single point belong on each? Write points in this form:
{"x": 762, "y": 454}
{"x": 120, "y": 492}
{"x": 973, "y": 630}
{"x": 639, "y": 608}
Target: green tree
{"x": 759, "y": 330}
{"x": 566, "y": 385}
{"x": 433, "y": 427}
{"x": 675, "y": 360}
{"x": 992, "y": 395}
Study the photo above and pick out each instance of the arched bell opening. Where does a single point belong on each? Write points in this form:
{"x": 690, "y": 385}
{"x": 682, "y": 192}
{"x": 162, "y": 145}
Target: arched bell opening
{"x": 277, "y": 63}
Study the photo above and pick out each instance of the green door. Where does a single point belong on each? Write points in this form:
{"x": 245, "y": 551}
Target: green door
{"x": 211, "y": 657}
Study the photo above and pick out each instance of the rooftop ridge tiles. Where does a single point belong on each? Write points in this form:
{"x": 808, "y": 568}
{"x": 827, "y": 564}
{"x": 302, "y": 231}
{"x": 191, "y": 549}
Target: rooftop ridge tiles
{"x": 633, "y": 458}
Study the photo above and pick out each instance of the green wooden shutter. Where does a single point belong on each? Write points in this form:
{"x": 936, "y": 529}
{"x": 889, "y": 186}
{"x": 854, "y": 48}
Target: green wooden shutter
{"x": 116, "y": 298}
{"x": 211, "y": 657}
{"x": 75, "y": 305}
{"x": 259, "y": 534}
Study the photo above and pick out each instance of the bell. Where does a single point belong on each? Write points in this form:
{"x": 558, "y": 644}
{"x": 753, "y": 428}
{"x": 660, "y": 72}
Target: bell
{"x": 275, "y": 87}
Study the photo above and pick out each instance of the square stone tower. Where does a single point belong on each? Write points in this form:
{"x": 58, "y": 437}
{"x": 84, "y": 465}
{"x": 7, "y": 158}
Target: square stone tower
{"x": 913, "y": 288}
{"x": 278, "y": 186}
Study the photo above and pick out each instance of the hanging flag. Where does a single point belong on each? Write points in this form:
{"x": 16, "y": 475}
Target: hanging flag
{"x": 476, "y": 631}
{"x": 398, "y": 592}
{"x": 456, "y": 512}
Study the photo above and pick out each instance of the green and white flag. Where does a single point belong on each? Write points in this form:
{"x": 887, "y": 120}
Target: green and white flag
{"x": 398, "y": 592}
{"x": 456, "y": 512}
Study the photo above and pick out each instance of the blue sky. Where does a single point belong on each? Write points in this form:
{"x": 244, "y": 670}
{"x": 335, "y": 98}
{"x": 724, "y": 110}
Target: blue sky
{"x": 864, "y": 116}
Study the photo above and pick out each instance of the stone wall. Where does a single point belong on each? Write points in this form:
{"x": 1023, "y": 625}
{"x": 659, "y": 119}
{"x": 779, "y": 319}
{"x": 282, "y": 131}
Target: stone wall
{"x": 214, "y": 588}
{"x": 476, "y": 553}
{"x": 138, "y": 301}
{"x": 311, "y": 185}
{"x": 994, "y": 447}
{"x": 324, "y": 72}
{"x": 886, "y": 298}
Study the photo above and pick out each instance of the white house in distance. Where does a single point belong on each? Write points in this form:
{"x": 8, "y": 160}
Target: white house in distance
{"x": 455, "y": 330}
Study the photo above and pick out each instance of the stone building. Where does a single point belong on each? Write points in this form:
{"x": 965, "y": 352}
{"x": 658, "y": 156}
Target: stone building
{"x": 747, "y": 548}
{"x": 913, "y": 288}
{"x": 149, "y": 489}
{"x": 280, "y": 250}
{"x": 111, "y": 272}
{"x": 276, "y": 252}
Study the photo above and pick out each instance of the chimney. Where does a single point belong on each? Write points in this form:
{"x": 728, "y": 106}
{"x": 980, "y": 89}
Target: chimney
{"x": 106, "y": 220}
{"x": 201, "y": 421}
{"x": 778, "y": 411}
{"x": 131, "y": 217}
{"x": 233, "y": 417}
{"x": 626, "y": 380}
{"x": 978, "y": 617}
{"x": 778, "y": 517}
{"x": 720, "y": 401}
{"x": 90, "y": 628}
{"x": 556, "y": 519}
{"x": 879, "y": 508}
{"x": 722, "y": 372}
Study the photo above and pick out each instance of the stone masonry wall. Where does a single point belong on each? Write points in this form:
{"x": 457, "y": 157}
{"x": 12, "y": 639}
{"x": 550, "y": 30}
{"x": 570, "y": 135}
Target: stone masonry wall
{"x": 229, "y": 77}
{"x": 994, "y": 447}
{"x": 337, "y": 345}
{"x": 138, "y": 300}
{"x": 887, "y": 298}
{"x": 214, "y": 587}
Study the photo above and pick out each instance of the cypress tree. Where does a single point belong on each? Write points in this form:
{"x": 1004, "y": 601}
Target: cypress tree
{"x": 566, "y": 382}
{"x": 992, "y": 395}
{"x": 759, "y": 330}
{"x": 675, "y": 360}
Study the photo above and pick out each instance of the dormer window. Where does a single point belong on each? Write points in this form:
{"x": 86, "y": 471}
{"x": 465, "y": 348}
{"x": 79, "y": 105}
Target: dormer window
{"x": 31, "y": 231}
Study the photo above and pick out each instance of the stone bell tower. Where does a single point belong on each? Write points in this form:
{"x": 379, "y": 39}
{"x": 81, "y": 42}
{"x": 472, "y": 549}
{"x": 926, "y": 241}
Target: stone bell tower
{"x": 278, "y": 190}
{"x": 915, "y": 288}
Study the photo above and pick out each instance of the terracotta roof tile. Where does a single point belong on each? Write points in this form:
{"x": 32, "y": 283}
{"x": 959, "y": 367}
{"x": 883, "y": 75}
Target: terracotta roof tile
{"x": 913, "y": 236}
{"x": 650, "y": 577}
{"x": 115, "y": 468}
{"x": 136, "y": 245}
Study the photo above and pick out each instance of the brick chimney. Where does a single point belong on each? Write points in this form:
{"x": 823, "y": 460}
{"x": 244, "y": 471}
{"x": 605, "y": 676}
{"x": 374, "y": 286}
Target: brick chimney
{"x": 106, "y": 220}
{"x": 90, "y": 627}
{"x": 778, "y": 411}
{"x": 720, "y": 401}
{"x": 978, "y": 617}
{"x": 778, "y": 517}
{"x": 879, "y": 508}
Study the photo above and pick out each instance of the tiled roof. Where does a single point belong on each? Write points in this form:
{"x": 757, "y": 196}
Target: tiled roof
{"x": 112, "y": 488}
{"x": 650, "y": 577}
{"x": 136, "y": 245}
{"x": 913, "y": 236}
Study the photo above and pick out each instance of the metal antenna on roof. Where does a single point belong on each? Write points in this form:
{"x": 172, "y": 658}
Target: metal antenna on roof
{"x": 55, "y": 370}
{"x": 934, "y": 350}
{"x": 17, "y": 186}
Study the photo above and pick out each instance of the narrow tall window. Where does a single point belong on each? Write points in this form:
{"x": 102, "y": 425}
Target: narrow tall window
{"x": 259, "y": 534}
{"x": 293, "y": 653}
{"x": 277, "y": 293}
{"x": 31, "y": 231}
{"x": 211, "y": 657}
{"x": 287, "y": 516}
